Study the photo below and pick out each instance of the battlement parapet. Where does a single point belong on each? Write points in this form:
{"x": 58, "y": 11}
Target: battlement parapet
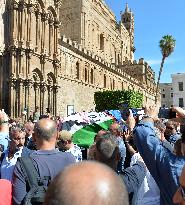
{"x": 132, "y": 70}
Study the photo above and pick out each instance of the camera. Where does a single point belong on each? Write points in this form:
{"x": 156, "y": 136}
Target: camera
{"x": 167, "y": 113}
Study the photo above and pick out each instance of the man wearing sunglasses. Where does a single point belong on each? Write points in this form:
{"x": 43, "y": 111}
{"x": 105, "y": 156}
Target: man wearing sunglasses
{"x": 179, "y": 196}
{"x": 171, "y": 132}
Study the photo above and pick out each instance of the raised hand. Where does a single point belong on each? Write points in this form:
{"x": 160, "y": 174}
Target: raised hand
{"x": 3, "y": 117}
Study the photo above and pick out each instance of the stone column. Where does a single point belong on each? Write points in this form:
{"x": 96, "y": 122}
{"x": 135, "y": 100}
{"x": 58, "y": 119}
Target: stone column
{"x": 50, "y": 37}
{"x": 13, "y": 83}
{"x": 49, "y": 88}
{"x": 20, "y": 94}
{"x": 28, "y": 85}
{"x": 37, "y": 95}
{"x": 55, "y": 91}
{"x": 43, "y": 88}
{"x": 56, "y": 27}
{"x": 83, "y": 28}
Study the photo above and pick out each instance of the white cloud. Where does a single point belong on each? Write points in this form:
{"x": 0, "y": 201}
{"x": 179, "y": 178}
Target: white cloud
{"x": 153, "y": 62}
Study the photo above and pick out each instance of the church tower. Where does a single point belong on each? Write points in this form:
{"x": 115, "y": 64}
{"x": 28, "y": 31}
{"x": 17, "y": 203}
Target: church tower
{"x": 127, "y": 18}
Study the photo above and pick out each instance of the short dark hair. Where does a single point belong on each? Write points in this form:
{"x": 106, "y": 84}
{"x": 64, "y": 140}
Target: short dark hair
{"x": 17, "y": 128}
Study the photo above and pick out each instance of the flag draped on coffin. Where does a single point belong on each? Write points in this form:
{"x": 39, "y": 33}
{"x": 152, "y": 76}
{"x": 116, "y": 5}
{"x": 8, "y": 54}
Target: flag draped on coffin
{"x": 85, "y": 125}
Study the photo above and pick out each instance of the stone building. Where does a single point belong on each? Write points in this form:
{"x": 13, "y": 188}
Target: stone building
{"x": 56, "y": 54}
{"x": 178, "y": 84}
{"x": 166, "y": 94}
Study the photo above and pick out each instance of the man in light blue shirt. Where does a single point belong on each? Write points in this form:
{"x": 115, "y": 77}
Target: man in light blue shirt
{"x": 4, "y": 131}
{"x": 164, "y": 166}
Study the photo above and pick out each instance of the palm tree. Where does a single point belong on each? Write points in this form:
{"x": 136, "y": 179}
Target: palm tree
{"x": 167, "y": 45}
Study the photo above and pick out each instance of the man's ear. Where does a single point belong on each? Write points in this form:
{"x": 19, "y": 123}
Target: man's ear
{"x": 95, "y": 154}
{"x": 33, "y": 137}
{"x": 118, "y": 155}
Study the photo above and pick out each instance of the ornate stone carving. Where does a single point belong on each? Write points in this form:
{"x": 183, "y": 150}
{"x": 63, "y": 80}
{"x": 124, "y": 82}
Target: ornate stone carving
{"x": 44, "y": 16}
{"x": 29, "y": 52}
{"x": 21, "y": 5}
{"x": 56, "y": 23}
{"x": 43, "y": 86}
{"x": 56, "y": 87}
{"x": 20, "y": 52}
{"x": 43, "y": 58}
{"x": 28, "y": 82}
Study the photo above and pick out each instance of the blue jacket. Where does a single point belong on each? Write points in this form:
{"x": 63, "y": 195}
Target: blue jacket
{"x": 174, "y": 138}
{"x": 164, "y": 166}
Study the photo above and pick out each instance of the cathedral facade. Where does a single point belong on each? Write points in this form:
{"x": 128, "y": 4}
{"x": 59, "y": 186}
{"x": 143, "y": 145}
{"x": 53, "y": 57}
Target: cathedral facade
{"x": 56, "y": 54}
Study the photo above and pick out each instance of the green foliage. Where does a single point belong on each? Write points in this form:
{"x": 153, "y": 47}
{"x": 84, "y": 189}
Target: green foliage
{"x": 111, "y": 100}
{"x": 167, "y": 45}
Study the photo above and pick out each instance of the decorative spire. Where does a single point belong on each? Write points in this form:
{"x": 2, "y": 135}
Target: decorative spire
{"x": 126, "y": 8}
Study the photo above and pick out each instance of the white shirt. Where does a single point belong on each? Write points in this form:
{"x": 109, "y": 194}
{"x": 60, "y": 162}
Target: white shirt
{"x": 148, "y": 193}
{"x": 76, "y": 152}
{"x": 7, "y": 166}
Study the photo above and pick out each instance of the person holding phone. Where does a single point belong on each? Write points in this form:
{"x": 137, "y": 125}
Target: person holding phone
{"x": 164, "y": 166}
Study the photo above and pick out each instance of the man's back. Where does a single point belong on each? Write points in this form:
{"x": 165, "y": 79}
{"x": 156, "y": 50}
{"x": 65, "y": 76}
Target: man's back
{"x": 48, "y": 162}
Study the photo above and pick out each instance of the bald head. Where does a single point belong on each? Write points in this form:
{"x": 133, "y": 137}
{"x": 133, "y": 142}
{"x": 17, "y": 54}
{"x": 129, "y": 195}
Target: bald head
{"x": 45, "y": 129}
{"x": 87, "y": 183}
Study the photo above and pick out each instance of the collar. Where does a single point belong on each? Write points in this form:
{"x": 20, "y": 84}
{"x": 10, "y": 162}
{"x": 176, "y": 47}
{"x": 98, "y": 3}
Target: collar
{"x": 46, "y": 152}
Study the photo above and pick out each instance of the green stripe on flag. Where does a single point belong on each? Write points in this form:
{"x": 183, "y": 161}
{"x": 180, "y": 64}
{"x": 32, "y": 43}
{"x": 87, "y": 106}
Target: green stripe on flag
{"x": 85, "y": 136}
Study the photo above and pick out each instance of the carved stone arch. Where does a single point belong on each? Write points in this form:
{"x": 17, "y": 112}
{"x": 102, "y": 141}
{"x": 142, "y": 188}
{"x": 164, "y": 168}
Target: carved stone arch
{"x": 41, "y": 4}
{"x": 50, "y": 16}
{"x": 11, "y": 4}
{"x": 52, "y": 13}
{"x": 37, "y": 80}
{"x": 37, "y": 75}
{"x": 51, "y": 79}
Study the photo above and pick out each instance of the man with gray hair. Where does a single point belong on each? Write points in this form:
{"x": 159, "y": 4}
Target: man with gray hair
{"x": 107, "y": 152}
{"x": 47, "y": 160}
{"x": 87, "y": 183}
{"x": 15, "y": 150}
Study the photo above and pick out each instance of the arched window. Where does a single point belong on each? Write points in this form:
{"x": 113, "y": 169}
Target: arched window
{"x": 92, "y": 76}
{"x": 101, "y": 42}
{"x": 105, "y": 83}
{"x": 113, "y": 84}
{"x": 86, "y": 77}
{"x": 77, "y": 70}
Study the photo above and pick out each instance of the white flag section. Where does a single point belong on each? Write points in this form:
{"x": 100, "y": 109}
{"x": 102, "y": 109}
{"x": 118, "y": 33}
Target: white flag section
{"x": 84, "y": 126}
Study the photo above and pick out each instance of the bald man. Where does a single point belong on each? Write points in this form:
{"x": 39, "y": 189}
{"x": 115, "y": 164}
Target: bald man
{"x": 44, "y": 159}
{"x": 87, "y": 183}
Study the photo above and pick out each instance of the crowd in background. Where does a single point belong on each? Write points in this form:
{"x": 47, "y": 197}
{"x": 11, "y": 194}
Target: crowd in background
{"x": 140, "y": 163}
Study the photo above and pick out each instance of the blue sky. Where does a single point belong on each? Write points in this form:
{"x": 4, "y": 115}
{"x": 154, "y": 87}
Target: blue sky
{"x": 154, "y": 19}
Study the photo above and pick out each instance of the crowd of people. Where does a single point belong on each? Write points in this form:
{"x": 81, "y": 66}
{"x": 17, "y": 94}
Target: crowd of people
{"x": 140, "y": 163}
